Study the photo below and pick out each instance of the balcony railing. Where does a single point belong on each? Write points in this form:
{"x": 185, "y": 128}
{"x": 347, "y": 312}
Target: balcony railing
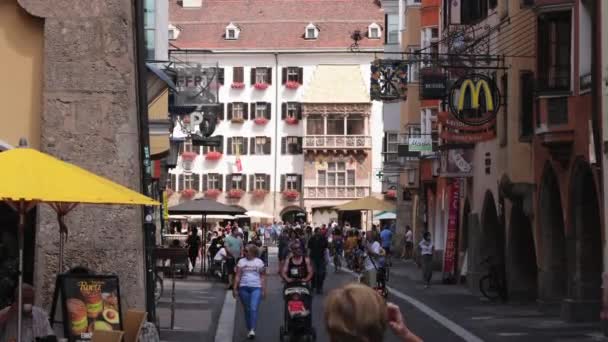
{"x": 338, "y": 141}
{"x": 333, "y": 192}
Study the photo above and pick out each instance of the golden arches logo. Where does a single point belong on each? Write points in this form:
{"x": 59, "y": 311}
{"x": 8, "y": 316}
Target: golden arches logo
{"x": 475, "y": 92}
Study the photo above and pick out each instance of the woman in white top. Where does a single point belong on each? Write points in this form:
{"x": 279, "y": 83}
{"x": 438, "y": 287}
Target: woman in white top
{"x": 426, "y": 252}
{"x": 250, "y": 285}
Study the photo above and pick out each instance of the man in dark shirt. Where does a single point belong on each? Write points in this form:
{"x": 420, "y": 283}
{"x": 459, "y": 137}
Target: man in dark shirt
{"x": 317, "y": 246}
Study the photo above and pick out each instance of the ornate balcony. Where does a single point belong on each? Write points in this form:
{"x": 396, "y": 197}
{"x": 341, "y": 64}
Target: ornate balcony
{"x": 335, "y": 192}
{"x": 349, "y": 142}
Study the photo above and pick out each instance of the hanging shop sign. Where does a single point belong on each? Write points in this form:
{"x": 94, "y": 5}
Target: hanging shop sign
{"x": 449, "y": 255}
{"x": 196, "y": 85}
{"x": 474, "y": 99}
{"x": 388, "y": 80}
{"x": 457, "y": 163}
{"x": 434, "y": 86}
{"x": 420, "y": 144}
{"x": 455, "y": 131}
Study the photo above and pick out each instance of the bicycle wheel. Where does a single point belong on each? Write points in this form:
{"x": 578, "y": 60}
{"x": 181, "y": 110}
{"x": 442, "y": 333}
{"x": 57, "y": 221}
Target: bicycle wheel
{"x": 387, "y": 272}
{"x": 489, "y": 288}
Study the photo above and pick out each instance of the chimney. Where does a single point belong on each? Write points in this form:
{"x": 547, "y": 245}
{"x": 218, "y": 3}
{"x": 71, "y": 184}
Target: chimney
{"x": 192, "y": 3}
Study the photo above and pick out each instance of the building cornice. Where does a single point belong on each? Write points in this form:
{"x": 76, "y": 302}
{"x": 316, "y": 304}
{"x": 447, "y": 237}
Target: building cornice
{"x": 336, "y": 108}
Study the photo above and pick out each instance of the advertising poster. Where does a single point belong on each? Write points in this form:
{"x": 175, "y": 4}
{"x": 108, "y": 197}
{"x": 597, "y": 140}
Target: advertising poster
{"x": 457, "y": 163}
{"x": 449, "y": 256}
{"x": 90, "y": 303}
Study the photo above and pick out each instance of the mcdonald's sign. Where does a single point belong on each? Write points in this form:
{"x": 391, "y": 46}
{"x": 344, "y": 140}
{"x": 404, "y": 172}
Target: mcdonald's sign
{"x": 474, "y": 100}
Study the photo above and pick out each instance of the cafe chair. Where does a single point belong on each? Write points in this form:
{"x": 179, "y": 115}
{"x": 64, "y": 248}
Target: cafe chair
{"x": 133, "y": 323}
{"x": 107, "y": 336}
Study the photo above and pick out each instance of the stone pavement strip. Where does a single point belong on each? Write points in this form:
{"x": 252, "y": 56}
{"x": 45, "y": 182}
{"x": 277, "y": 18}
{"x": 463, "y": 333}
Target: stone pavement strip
{"x": 198, "y": 306}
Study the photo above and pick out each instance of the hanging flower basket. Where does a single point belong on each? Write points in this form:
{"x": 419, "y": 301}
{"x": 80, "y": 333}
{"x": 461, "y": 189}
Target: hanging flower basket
{"x": 292, "y": 85}
{"x": 237, "y": 120}
{"x": 261, "y": 86}
{"x": 291, "y": 195}
{"x": 235, "y": 193}
{"x": 260, "y": 121}
{"x": 189, "y": 156}
{"x": 259, "y": 193}
{"x": 212, "y": 193}
{"x": 237, "y": 85}
{"x": 188, "y": 193}
{"x": 213, "y": 155}
{"x": 291, "y": 121}
{"x": 391, "y": 194}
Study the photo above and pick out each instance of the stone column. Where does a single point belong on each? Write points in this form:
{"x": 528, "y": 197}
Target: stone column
{"x": 345, "y": 124}
{"x": 89, "y": 118}
{"x": 324, "y": 124}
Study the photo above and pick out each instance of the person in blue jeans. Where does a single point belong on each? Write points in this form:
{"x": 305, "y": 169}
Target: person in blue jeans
{"x": 250, "y": 286}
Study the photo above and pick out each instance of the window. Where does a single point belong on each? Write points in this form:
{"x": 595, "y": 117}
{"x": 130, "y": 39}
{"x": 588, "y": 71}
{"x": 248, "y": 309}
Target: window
{"x": 150, "y": 28}
{"x": 337, "y": 174}
{"x": 173, "y": 32}
{"x": 292, "y": 110}
{"x": 238, "y": 75}
{"x": 554, "y": 51}
{"x": 312, "y": 32}
{"x": 314, "y": 125}
{"x": 238, "y": 110}
{"x": 260, "y": 145}
{"x": 188, "y": 181}
{"x": 293, "y": 75}
{"x": 261, "y": 75}
{"x": 291, "y": 145}
{"x": 414, "y": 131}
{"x": 355, "y": 125}
{"x": 350, "y": 177}
{"x": 260, "y": 110}
{"x": 259, "y": 182}
{"x": 335, "y": 125}
{"x": 472, "y": 11}
{"x": 392, "y": 27}
{"x": 237, "y": 145}
{"x": 373, "y": 31}
{"x": 527, "y": 104}
{"x": 237, "y": 181}
{"x": 392, "y": 141}
{"x": 291, "y": 182}
{"x": 321, "y": 178}
{"x": 213, "y": 181}
{"x": 232, "y": 32}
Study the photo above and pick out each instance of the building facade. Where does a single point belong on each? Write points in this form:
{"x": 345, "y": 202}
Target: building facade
{"x": 261, "y": 164}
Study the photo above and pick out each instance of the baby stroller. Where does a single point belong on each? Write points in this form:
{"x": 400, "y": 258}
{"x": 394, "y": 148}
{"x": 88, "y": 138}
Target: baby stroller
{"x": 297, "y": 324}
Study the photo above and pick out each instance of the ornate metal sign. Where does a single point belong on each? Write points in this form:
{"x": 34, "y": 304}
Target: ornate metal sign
{"x": 196, "y": 85}
{"x": 388, "y": 80}
{"x": 474, "y": 100}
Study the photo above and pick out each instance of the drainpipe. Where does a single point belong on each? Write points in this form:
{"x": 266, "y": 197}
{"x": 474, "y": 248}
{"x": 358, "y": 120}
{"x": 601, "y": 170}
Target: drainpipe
{"x": 276, "y": 134}
{"x": 149, "y": 229}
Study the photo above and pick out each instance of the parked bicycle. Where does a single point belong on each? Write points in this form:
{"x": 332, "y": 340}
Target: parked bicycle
{"x": 493, "y": 285}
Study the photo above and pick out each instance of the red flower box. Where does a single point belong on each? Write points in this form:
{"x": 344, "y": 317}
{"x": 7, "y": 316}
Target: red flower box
{"x": 291, "y": 195}
{"x": 237, "y": 85}
{"x": 392, "y": 194}
{"x": 213, "y": 193}
{"x": 291, "y": 121}
{"x": 213, "y": 155}
{"x": 292, "y": 85}
{"x": 188, "y": 193}
{"x": 259, "y": 193}
{"x": 261, "y": 86}
{"x": 235, "y": 193}
{"x": 260, "y": 121}
{"x": 237, "y": 120}
{"x": 189, "y": 156}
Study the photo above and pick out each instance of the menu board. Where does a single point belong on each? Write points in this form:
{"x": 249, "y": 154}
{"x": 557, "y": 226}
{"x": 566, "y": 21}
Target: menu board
{"x": 90, "y": 302}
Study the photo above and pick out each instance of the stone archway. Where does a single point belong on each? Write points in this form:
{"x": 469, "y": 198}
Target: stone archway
{"x": 584, "y": 247}
{"x": 522, "y": 263}
{"x": 552, "y": 270}
{"x": 492, "y": 232}
{"x": 293, "y": 213}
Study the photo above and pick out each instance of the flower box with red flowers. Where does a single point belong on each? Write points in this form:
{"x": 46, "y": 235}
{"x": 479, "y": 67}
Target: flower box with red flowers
{"x": 259, "y": 193}
{"x": 237, "y": 85}
{"x": 261, "y": 86}
{"x": 291, "y": 120}
{"x": 237, "y": 120}
{"x": 292, "y": 85}
{"x": 391, "y": 194}
{"x": 260, "y": 121}
{"x": 235, "y": 193}
{"x": 212, "y": 193}
{"x": 213, "y": 155}
{"x": 188, "y": 193}
{"x": 291, "y": 195}
{"x": 189, "y": 156}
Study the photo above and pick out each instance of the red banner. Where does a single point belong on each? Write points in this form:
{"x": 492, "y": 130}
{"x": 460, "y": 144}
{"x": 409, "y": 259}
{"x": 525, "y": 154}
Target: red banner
{"x": 449, "y": 254}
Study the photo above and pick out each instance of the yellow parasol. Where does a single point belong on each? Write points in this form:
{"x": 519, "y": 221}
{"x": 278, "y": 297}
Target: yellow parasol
{"x": 366, "y": 203}
{"x": 29, "y": 177}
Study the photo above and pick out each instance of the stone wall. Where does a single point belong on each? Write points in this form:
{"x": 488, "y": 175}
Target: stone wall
{"x": 89, "y": 118}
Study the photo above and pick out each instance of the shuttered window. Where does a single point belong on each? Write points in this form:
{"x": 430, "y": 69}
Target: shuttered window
{"x": 527, "y": 104}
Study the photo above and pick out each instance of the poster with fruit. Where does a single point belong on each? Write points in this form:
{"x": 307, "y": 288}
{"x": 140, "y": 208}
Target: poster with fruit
{"x": 90, "y": 302}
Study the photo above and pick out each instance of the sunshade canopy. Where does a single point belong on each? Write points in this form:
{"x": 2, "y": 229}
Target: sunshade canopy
{"x": 30, "y": 175}
{"x": 366, "y": 203}
{"x": 386, "y": 215}
{"x": 204, "y": 206}
{"x": 258, "y": 214}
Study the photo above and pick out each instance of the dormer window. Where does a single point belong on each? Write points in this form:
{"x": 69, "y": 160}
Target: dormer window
{"x": 173, "y": 32}
{"x": 312, "y": 32}
{"x": 373, "y": 31}
{"x": 232, "y": 32}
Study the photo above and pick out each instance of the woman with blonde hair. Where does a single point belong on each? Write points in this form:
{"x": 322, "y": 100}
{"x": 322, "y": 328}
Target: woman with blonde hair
{"x": 357, "y": 313}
